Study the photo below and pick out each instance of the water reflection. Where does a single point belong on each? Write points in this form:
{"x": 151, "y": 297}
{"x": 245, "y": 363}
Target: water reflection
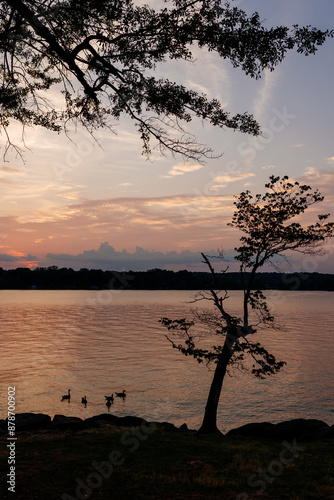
{"x": 55, "y": 340}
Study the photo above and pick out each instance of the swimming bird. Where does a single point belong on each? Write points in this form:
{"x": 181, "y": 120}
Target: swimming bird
{"x": 84, "y": 400}
{"x": 67, "y": 396}
{"x": 121, "y": 394}
{"x": 110, "y": 399}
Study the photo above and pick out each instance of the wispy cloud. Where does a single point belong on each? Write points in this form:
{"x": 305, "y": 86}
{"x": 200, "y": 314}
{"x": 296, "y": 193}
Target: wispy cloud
{"x": 5, "y": 182}
{"x": 10, "y": 170}
{"x": 221, "y": 181}
{"x": 268, "y": 167}
{"x": 263, "y": 97}
{"x": 158, "y": 224}
{"x": 322, "y": 180}
{"x": 181, "y": 169}
{"x": 197, "y": 87}
{"x": 162, "y": 223}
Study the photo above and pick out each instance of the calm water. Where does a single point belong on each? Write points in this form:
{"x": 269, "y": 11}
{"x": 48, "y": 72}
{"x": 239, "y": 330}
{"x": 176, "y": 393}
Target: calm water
{"x": 99, "y": 342}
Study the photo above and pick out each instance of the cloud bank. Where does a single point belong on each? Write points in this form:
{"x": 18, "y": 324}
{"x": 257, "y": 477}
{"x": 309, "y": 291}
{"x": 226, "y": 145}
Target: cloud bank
{"x": 6, "y": 258}
{"x": 107, "y": 258}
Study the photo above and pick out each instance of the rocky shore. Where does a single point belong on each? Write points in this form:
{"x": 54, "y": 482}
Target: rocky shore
{"x": 299, "y": 429}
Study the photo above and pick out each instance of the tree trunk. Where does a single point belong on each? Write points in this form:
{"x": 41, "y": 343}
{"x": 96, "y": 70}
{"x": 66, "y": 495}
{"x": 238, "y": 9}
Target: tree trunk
{"x": 209, "y": 424}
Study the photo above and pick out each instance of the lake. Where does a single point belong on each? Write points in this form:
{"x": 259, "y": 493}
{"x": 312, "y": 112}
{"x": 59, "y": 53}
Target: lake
{"x": 99, "y": 342}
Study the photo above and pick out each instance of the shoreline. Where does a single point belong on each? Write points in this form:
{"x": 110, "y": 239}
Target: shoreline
{"x": 300, "y": 428}
{"x": 129, "y": 458}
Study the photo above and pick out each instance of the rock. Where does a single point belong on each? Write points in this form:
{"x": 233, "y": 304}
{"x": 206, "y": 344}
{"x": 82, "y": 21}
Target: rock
{"x": 128, "y": 421}
{"x": 131, "y": 421}
{"x": 256, "y": 430}
{"x": 31, "y": 421}
{"x": 329, "y": 433}
{"x": 102, "y": 420}
{"x": 300, "y": 429}
{"x": 164, "y": 426}
{"x": 184, "y": 428}
{"x": 107, "y": 418}
{"x": 63, "y": 422}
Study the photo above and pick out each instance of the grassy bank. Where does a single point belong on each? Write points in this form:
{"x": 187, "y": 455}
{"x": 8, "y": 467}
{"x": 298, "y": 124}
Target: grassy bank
{"x": 145, "y": 463}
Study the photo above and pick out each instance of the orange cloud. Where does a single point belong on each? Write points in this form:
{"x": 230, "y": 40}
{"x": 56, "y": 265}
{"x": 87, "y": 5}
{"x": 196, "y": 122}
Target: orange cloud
{"x": 166, "y": 223}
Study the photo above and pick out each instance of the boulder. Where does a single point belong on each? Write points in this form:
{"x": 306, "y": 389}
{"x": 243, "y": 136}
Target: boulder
{"x": 131, "y": 421}
{"x": 63, "y": 422}
{"x": 167, "y": 426}
{"x": 300, "y": 429}
{"x": 329, "y": 432}
{"x": 108, "y": 419}
{"x": 102, "y": 420}
{"x": 31, "y": 421}
{"x": 256, "y": 430}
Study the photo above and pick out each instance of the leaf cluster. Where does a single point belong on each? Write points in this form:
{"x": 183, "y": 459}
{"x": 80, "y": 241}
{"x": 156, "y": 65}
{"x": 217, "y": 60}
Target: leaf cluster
{"x": 266, "y": 221}
{"x": 264, "y": 363}
{"x": 102, "y": 55}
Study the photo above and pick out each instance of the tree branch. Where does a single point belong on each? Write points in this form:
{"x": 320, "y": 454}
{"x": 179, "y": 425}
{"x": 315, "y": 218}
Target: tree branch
{"x": 45, "y": 34}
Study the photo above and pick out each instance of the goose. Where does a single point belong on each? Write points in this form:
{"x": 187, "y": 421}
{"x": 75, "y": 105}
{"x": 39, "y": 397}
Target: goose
{"x": 110, "y": 399}
{"x": 67, "y": 396}
{"x": 121, "y": 394}
{"x": 84, "y": 400}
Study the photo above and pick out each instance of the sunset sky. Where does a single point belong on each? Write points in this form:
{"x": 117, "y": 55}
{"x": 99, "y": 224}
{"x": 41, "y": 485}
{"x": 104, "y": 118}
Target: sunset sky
{"x": 78, "y": 204}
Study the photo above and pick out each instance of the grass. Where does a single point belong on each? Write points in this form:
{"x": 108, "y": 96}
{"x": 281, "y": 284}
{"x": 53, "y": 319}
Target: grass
{"x": 164, "y": 465}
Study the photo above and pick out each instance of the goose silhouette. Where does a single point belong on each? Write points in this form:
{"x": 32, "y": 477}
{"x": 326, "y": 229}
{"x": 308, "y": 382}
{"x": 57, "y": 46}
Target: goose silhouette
{"x": 84, "y": 400}
{"x": 67, "y": 396}
{"x": 110, "y": 399}
{"x": 121, "y": 394}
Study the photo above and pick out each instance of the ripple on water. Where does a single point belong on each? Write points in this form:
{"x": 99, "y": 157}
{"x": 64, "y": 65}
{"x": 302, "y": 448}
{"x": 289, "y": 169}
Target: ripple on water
{"x": 56, "y": 340}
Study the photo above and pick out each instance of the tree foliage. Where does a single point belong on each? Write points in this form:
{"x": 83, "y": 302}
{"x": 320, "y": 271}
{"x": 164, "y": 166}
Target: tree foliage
{"x": 263, "y": 363}
{"x": 272, "y": 227}
{"x": 283, "y": 202}
{"x": 102, "y": 56}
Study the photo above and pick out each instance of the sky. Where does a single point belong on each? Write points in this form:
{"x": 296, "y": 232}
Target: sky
{"x": 75, "y": 203}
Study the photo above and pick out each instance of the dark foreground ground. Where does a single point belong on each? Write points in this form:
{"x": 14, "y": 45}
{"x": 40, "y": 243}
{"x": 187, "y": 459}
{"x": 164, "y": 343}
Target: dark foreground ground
{"x": 149, "y": 462}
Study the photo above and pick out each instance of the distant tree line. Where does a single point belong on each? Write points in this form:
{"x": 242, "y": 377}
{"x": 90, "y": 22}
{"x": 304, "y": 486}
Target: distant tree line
{"x": 54, "y": 278}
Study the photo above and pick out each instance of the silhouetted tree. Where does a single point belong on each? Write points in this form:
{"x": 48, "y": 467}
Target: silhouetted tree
{"x": 102, "y": 56}
{"x": 266, "y": 222}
